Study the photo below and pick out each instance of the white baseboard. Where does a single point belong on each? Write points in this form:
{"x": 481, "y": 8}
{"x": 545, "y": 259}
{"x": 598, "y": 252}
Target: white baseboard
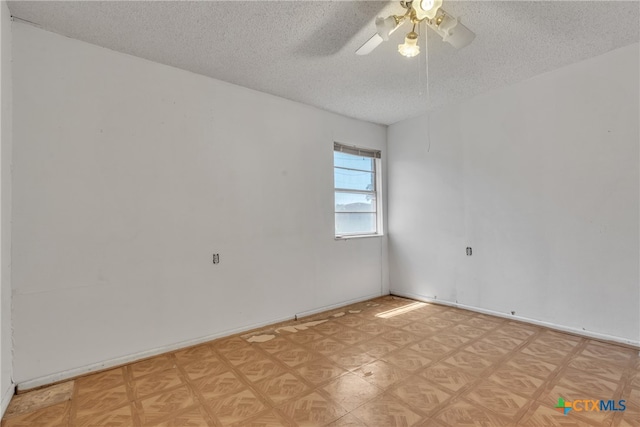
{"x": 119, "y": 361}
{"x": 338, "y": 305}
{"x": 561, "y": 328}
{"x": 6, "y": 398}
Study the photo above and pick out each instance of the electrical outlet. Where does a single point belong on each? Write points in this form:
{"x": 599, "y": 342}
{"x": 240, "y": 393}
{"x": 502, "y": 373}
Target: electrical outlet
{"x": 469, "y": 251}
{"x": 216, "y": 258}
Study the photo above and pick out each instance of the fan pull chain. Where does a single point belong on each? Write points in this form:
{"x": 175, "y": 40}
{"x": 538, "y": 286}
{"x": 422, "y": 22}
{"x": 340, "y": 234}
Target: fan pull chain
{"x": 426, "y": 67}
{"x": 426, "y": 63}
{"x": 418, "y": 63}
{"x": 427, "y": 98}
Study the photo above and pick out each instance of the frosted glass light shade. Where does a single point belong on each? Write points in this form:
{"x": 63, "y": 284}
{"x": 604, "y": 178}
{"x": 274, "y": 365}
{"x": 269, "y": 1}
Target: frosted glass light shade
{"x": 410, "y": 46}
{"x": 386, "y": 26}
{"x": 454, "y": 32}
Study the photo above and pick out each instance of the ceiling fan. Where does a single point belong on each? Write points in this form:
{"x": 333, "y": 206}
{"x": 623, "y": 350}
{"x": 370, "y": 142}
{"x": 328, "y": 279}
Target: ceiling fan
{"x": 417, "y": 11}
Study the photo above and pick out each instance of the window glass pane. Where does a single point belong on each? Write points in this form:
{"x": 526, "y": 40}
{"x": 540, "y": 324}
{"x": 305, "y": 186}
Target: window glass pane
{"x": 355, "y": 202}
{"x": 352, "y": 162}
{"x": 355, "y": 223}
{"x": 353, "y": 180}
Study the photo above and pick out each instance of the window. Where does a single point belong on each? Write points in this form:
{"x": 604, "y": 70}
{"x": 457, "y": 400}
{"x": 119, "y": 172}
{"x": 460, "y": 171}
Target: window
{"x": 357, "y": 197}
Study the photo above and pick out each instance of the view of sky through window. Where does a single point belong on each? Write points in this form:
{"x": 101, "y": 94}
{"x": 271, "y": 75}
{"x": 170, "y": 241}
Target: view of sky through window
{"x": 355, "y": 194}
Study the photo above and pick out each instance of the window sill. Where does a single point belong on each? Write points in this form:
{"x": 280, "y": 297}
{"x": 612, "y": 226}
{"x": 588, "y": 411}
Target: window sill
{"x": 358, "y": 236}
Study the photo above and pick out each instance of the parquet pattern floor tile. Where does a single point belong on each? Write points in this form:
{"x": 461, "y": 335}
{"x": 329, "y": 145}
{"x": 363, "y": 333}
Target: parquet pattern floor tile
{"x": 350, "y": 391}
{"x": 379, "y": 363}
{"x": 463, "y": 413}
{"x": 421, "y": 394}
{"x": 209, "y": 367}
{"x": 101, "y": 400}
{"x": 283, "y": 387}
{"x": 387, "y": 410}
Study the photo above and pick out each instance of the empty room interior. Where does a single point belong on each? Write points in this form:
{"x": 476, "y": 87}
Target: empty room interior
{"x": 320, "y": 213}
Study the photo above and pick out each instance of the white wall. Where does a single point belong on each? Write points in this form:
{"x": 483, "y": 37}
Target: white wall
{"x": 128, "y": 175}
{"x": 6, "y": 353}
{"x": 541, "y": 180}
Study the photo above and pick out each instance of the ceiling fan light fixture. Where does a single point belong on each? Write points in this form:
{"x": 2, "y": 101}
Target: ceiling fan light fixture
{"x": 430, "y": 13}
{"x": 426, "y": 8}
{"x": 452, "y": 31}
{"x": 410, "y": 46}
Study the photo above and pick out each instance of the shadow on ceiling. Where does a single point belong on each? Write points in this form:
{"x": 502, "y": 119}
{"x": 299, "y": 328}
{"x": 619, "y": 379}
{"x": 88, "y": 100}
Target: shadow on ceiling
{"x": 346, "y": 21}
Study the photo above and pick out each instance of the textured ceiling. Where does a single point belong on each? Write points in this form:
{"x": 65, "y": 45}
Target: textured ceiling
{"x": 304, "y": 50}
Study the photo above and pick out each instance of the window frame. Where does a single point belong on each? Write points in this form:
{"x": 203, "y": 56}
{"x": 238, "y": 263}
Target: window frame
{"x": 376, "y": 192}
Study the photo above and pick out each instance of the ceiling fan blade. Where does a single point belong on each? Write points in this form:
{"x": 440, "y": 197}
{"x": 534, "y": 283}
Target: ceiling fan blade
{"x": 369, "y": 45}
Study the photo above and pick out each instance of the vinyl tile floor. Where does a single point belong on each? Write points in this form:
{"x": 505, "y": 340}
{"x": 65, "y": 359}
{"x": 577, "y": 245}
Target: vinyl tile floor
{"x": 381, "y": 363}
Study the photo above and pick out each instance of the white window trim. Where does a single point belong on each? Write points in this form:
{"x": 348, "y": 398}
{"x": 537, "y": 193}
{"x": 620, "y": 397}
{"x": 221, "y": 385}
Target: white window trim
{"x": 376, "y": 155}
